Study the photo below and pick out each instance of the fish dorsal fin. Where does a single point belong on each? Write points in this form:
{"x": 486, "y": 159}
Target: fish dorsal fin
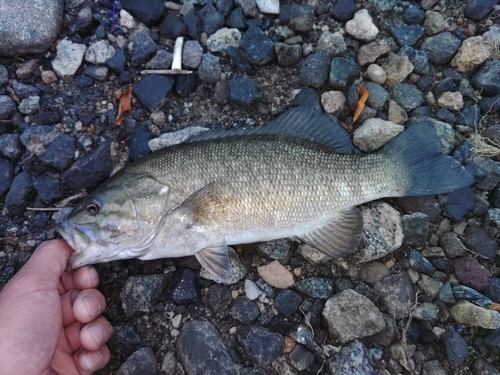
{"x": 300, "y": 122}
{"x": 206, "y": 205}
{"x": 340, "y": 236}
{"x": 215, "y": 259}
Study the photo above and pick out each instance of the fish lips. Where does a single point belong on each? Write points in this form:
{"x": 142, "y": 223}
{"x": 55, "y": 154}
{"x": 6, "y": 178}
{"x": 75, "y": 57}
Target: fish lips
{"x": 82, "y": 238}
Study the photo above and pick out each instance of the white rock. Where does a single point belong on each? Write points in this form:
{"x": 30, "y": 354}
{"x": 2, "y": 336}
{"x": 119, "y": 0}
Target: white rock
{"x": 375, "y": 133}
{"x": 493, "y": 34}
{"x": 453, "y": 101}
{"x": 158, "y": 118}
{"x": 332, "y": 43}
{"x": 376, "y": 74}
{"x": 333, "y": 102}
{"x": 177, "y": 320}
{"x": 472, "y": 53}
{"x": 269, "y": 6}
{"x": 30, "y": 105}
{"x": 99, "y": 52}
{"x": 222, "y": 39}
{"x": 468, "y": 313}
{"x": 126, "y": 19}
{"x": 69, "y": 58}
{"x": 361, "y": 26}
{"x": 174, "y": 138}
{"x": 252, "y": 290}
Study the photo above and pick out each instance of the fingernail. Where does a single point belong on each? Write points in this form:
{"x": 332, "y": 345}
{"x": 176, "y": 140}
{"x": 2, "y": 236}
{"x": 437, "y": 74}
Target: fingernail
{"x": 97, "y": 333}
{"x": 92, "y": 305}
{"x": 91, "y": 359}
{"x": 93, "y": 276}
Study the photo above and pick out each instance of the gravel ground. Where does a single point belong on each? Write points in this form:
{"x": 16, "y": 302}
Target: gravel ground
{"x": 422, "y": 294}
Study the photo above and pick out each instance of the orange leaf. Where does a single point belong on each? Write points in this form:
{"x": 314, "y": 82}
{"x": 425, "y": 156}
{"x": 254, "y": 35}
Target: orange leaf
{"x": 363, "y": 95}
{"x": 124, "y": 106}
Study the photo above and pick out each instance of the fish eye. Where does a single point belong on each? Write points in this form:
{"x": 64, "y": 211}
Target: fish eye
{"x": 93, "y": 207}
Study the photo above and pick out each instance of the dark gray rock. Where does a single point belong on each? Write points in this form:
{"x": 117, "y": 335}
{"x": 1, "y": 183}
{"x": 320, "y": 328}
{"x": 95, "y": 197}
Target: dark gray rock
{"x": 6, "y": 175}
{"x": 377, "y": 95}
{"x": 478, "y": 9}
{"x": 415, "y": 229}
{"x": 427, "y": 205}
{"x": 343, "y": 10}
{"x": 139, "y": 142}
{"x": 420, "y": 263}
{"x": 315, "y": 287}
{"x": 297, "y": 17}
{"x": 140, "y": 293}
{"x": 4, "y": 75}
{"x": 492, "y": 340}
{"x": 471, "y": 295}
{"x": 48, "y": 188}
{"x": 276, "y": 249}
{"x": 397, "y": 293}
{"x": 433, "y": 367}
{"x": 47, "y": 118}
{"x": 447, "y": 84}
{"x": 224, "y": 6}
{"x": 487, "y": 78}
{"x": 59, "y": 152}
{"x": 147, "y": 11}
{"x": 353, "y": 359}
{"x": 24, "y": 91}
{"x": 446, "y": 116}
{"x": 153, "y": 90}
{"x": 202, "y": 350}
{"x": 83, "y": 20}
{"x": 84, "y": 81}
{"x": 124, "y": 339}
{"x": 236, "y": 19}
{"x": 172, "y": 26}
{"x": 193, "y": 24}
{"x": 470, "y": 115}
{"x": 117, "y": 62}
{"x": 457, "y": 348}
{"x": 29, "y": 27}
{"x": 407, "y": 96}
{"x": 210, "y": 69}
{"x": 493, "y": 289}
{"x": 20, "y": 191}
{"x": 239, "y": 59}
{"x": 472, "y": 273}
{"x": 222, "y": 93}
{"x": 184, "y": 287}
{"x": 10, "y": 146}
{"x": 219, "y": 300}
{"x": 144, "y": 49}
{"x": 97, "y": 72}
{"x": 488, "y": 104}
{"x": 301, "y": 358}
{"x": 261, "y": 345}
{"x": 441, "y": 48}
{"x": 243, "y": 92}
{"x": 308, "y": 97}
{"x": 343, "y": 72}
{"x": 89, "y": 170}
{"x": 413, "y": 15}
{"x": 258, "y": 47}
{"x": 142, "y": 361}
{"x": 7, "y": 107}
{"x": 161, "y": 60}
{"x": 125, "y": 78}
{"x": 244, "y": 310}
{"x": 417, "y": 57}
{"x": 482, "y": 367}
{"x": 460, "y": 203}
{"x": 479, "y": 242}
{"x": 314, "y": 69}
{"x": 288, "y": 54}
{"x": 211, "y": 20}
{"x": 451, "y": 245}
{"x": 287, "y": 302}
{"x": 185, "y": 84}
{"x": 407, "y": 35}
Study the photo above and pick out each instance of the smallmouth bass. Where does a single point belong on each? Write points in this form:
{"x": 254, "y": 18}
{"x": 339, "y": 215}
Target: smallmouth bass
{"x": 295, "y": 177}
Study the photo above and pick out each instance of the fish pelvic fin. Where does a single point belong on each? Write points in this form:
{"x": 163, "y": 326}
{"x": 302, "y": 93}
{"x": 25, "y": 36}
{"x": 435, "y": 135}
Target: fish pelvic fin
{"x": 215, "y": 259}
{"x": 426, "y": 171}
{"x": 340, "y": 236}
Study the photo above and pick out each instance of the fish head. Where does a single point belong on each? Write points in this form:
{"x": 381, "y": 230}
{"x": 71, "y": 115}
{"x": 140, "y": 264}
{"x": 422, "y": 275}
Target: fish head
{"x": 119, "y": 220}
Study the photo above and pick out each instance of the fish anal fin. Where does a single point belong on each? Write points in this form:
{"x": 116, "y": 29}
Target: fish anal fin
{"x": 215, "y": 259}
{"x": 340, "y": 236}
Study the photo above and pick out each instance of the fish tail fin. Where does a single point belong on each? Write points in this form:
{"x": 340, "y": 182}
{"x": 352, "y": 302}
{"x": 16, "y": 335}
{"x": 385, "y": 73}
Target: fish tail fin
{"x": 428, "y": 171}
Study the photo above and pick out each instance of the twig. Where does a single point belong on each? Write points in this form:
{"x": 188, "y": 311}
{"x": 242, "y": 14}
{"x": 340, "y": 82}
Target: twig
{"x": 45, "y": 208}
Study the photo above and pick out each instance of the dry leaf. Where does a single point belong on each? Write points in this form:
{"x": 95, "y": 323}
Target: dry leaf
{"x": 124, "y": 106}
{"x": 494, "y": 306}
{"x": 363, "y": 96}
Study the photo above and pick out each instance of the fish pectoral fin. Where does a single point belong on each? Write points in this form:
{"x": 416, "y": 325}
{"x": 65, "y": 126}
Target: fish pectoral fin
{"x": 215, "y": 259}
{"x": 340, "y": 236}
{"x": 206, "y": 205}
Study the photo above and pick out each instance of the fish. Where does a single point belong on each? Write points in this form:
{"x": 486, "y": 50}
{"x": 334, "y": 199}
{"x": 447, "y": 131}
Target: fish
{"x": 299, "y": 177}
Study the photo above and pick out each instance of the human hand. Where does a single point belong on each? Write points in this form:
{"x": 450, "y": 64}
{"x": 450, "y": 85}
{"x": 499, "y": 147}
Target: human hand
{"x": 50, "y": 319}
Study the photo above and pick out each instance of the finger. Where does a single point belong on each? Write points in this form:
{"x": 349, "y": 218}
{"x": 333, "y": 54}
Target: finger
{"x": 82, "y": 278}
{"x": 67, "y": 301}
{"x": 72, "y": 333}
{"x": 88, "y": 305}
{"x": 95, "y": 334}
{"x": 90, "y": 361}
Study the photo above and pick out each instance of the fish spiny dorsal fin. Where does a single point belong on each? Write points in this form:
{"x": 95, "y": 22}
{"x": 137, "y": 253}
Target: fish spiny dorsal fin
{"x": 340, "y": 236}
{"x": 299, "y": 122}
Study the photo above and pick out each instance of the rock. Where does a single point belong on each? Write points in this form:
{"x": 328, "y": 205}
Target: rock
{"x": 370, "y": 52}
{"x": 433, "y": 367}
{"x": 169, "y": 364}
{"x": 29, "y": 27}
{"x": 152, "y": 90}
{"x": 276, "y": 275}
{"x": 493, "y": 35}
{"x": 174, "y": 138}
{"x": 127, "y": 20}
{"x": 193, "y": 24}
{"x": 421, "y": 264}
{"x": 473, "y": 52}
{"x": 142, "y": 361}
{"x": 446, "y": 294}
{"x": 89, "y": 170}
{"x": 471, "y": 295}
{"x": 352, "y": 359}
{"x": 351, "y": 315}
{"x": 481, "y": 366}
{"x": 184, "y": 287}
{"x": 301, "y": 358}
{"x": 83, "y": 21}
{"x": 376, "y": 74}
{"x": 297, "y": 17}
{"x": 210, "y": 69}
{"x": 24, "y": 91}
{"x": 249, "y": 7}
{"x": 243, "y": 92}
{"x": 407, "y": 35}
{"x": 451, "y": 245}
{"x": 192, "y": 54}
{"x": 140, "y": 293}
{"x": 333, "y": 102}
{"x": 147, "y": 11}
{"x": 479, "y": 242}
{"x": 202, "y": 351}
{"x": 343, "y": 72}
{"x": 99, "y": 73}
{"x": 219, "y": 300}
{"x": 163, "y": 59}
{"x": 7, "y": 107}
{"x": 244, "y": 310}
{"x": 332, "y": 43}
{"x": 258, "y": 47}
{"x": 413, "y": 15}
{"x": 373, "y": 272}
{"x": 252, "y": 291}
{"x": 434, "y": 23}
{"x": 287, "y": 302}
{"x": 451, "y": 100}
{"x": 478, "y": 9}
{"x": 4, "y": 75}
{"x": 10, "y": 146}
{"x": 315, "y": 287}
{"x": 211, "y": 20}
{"x": 99, "y": 52}
{"x": 487, "y": 78}
{"x": 457, "y": 348}
{"x": 460, "y": 202}
{"x": 59, "y": 152}
{"x": 430, "y": 286}
{"x": 261, "y": 345}
{"x": 397, "y": 293}
{"x": 47, "y": 118}
{"x": 221, "y": 40}
{"x": 6, "y": 175}
{"x": 268, "y": 6}
{"x": 382, "y": 6}
{"x": 275, "y": 249}
{"x": 343, "y": 10}
{"x": 418, "y": 59}
{"x": 139, "y": 142}
{"x": 288, "y": 54}
{"x": 397, "y": 69}
{"x": 362, "y": 27}
{"x": 25, "y": 70}
{"x": 68, "y": 59}
{"x": 375, "y": 133}
{"x": 425, "y": 311}
{"x": 20, "y": 191}
{"x": 144, "y": 49}
{"x": 48, "y": 188}
{"x": 314, "y": 69}
{"x": 441, "y": 48}
{"x": 471, "y": 273}
{"x": 172, "y": 26}
{"x": 185, "y": 84}
{"x": 397, "y": 114}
